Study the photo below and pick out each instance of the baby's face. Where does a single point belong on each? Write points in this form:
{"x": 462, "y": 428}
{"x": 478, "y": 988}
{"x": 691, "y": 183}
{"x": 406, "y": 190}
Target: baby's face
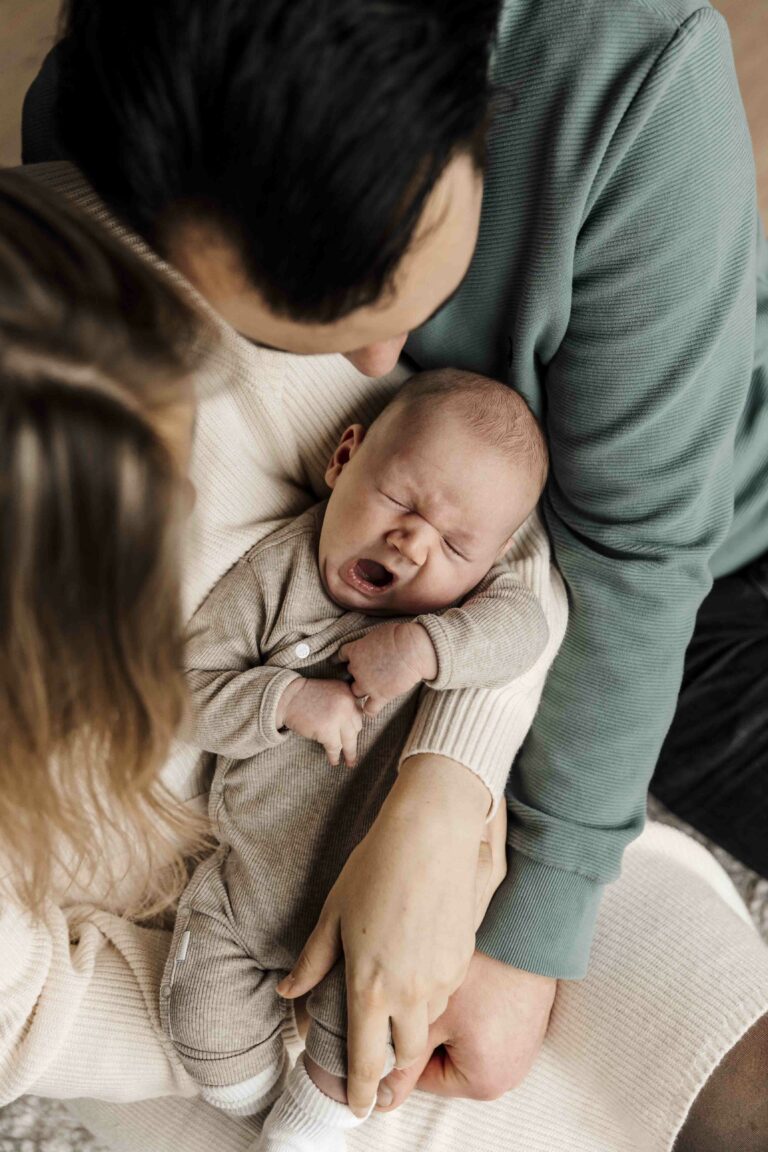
{"x": 417, "y": 516}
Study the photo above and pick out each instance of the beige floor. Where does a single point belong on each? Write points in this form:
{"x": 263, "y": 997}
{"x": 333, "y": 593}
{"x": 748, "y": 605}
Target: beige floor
{"x": 26, "y": 32}
{"x": 27, "y": 28}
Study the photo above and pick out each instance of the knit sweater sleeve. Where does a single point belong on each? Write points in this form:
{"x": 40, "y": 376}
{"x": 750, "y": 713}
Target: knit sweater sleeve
{"x": 79, "y": 1014}
{"x": 643, "y": 402}
{"x": 484, "y": 728}
{"x": 495, "y": 635}
{"x": 233, "y": 697}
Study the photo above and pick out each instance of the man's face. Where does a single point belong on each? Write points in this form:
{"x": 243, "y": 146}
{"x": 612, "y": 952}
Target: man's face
{"x": 417, "y": 516}
{"x": 371, "y": 337}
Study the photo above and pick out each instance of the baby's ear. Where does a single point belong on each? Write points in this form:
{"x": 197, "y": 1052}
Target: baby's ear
{"x": 349, "y": 443}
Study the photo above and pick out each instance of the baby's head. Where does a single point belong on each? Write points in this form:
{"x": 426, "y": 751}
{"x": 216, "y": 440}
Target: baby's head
{"x": 428, "y": 498}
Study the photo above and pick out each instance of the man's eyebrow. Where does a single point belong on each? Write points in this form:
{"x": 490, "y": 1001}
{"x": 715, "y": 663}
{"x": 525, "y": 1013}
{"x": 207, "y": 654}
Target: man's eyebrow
{"x": 432, "y": 315}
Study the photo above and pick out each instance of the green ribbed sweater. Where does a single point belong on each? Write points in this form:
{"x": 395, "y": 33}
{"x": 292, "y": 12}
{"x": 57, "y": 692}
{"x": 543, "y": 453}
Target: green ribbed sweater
{"x": 616, "y": 284}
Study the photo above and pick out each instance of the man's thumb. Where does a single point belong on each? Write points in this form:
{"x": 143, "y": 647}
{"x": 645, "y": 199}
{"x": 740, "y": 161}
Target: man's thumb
{"x": 318, "y": 956}
{"x": 398, "y": 1085}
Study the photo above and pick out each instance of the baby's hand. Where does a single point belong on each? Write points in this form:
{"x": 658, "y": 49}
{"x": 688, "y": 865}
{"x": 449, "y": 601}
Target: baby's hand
{"x": 388, "y": 661}
{"x": 325, "y": 711}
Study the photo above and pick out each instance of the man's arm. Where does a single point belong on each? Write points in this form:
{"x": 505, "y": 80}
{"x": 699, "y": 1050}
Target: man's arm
{"x": 643, "y": 402}
{"x": 425, "y": 842}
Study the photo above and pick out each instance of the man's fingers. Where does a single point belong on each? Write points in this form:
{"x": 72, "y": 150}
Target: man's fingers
{"x": 441, "y": 1077}
{"x": 483, "y": 881}
{"x": 409, "y": 1036}
{"x": 368, "y": 1032}
{"x": 318, "y": 956}
{"x": 333, "y": 753}
{"x": 373, "y": 705}
{"x": 399, "y": 1084}
{"x": 401, "y": 1081}
{"x": 436, "y": 1007}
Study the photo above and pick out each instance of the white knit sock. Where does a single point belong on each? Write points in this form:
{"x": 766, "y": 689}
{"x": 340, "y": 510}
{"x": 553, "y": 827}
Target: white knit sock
{"x": 304, "y": 1119}
{"x": 252, "y": 1096}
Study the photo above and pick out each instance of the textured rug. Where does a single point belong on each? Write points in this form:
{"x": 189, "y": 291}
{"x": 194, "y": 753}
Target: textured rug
{"x": 34, "y": 1125}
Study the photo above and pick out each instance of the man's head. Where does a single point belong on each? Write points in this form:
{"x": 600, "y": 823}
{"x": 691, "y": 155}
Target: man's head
{"x": 427, "y": 500}
{"x": 313, "y": 166}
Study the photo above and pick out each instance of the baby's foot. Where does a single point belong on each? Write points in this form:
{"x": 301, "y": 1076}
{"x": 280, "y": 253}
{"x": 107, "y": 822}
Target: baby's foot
{"x": 304, "y": 1119}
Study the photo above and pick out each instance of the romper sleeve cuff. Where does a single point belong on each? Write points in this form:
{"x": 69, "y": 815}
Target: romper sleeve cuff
{"x": 274, "y": 688}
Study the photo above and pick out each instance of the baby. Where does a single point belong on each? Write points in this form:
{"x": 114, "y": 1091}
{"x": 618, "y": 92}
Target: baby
{"x": 288, "y": 655}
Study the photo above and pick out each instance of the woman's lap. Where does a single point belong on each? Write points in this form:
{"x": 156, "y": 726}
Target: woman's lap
{"x": 677, "y": 976}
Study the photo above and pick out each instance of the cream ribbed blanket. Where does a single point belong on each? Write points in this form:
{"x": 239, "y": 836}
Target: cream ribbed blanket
{"x": 677, "y": 973}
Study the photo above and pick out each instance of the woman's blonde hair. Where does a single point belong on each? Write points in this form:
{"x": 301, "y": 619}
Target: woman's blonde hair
{"x": 93, "y": 344}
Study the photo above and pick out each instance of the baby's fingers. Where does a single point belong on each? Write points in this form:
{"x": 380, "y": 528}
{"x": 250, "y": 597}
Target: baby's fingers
{"x": 374, "y": 705}
{"x": 333, "y": 752}
{"x": 349, "y": 745}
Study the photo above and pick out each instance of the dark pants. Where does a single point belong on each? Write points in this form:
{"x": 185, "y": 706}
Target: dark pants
{"x": 713, "y": 769}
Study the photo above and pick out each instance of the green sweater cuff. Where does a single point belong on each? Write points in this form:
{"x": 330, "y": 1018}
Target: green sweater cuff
{"x": 541, "y": 919}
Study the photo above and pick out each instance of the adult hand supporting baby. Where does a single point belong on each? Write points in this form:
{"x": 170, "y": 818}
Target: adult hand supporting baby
{"x": 403, "y": 912}
{"x": 485, "y": 1042}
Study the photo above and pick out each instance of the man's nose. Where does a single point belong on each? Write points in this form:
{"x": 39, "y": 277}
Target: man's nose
{"x": 378, "y": 359}
{"x": 412, "y": 542}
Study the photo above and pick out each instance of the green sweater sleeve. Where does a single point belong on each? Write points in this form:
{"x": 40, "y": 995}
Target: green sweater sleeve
{"x": 643, "y": 399}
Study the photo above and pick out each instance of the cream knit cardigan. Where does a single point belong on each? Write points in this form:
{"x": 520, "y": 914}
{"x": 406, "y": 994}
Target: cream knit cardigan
{"x": 267, "y": 425}
{"x": 677, "y": 973}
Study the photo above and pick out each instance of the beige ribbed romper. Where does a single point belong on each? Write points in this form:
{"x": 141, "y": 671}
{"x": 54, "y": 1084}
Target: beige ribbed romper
{"x": 285, "y": 819}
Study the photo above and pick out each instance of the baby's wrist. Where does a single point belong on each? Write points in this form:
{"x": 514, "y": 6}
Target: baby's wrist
{"x": 283, "y": 715}
{"x": 424, "y": 649}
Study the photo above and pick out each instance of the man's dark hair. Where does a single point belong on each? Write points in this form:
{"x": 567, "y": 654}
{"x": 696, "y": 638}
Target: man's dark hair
{"x": 309, "y": 133}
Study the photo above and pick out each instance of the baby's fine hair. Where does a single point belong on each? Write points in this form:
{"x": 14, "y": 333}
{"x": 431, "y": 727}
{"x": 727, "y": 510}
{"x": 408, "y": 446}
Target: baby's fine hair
{"x": 493, "y": 410}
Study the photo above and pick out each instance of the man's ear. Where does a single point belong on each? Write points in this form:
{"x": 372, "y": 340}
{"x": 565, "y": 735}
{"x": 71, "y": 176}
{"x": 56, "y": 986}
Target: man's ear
{"x": 349, "y": 443}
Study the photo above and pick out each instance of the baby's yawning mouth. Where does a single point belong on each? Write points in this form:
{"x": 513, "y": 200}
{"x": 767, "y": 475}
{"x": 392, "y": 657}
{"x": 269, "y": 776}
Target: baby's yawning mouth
{"x": 369, "y": 576}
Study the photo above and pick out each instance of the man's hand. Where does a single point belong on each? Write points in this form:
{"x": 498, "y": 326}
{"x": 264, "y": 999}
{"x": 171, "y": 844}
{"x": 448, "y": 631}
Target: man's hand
{"x": 486, "y": 1041}
{"x": 325, "y": 711}
{"x": 403, "y": 911}
{"x": 388, "y": 661}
